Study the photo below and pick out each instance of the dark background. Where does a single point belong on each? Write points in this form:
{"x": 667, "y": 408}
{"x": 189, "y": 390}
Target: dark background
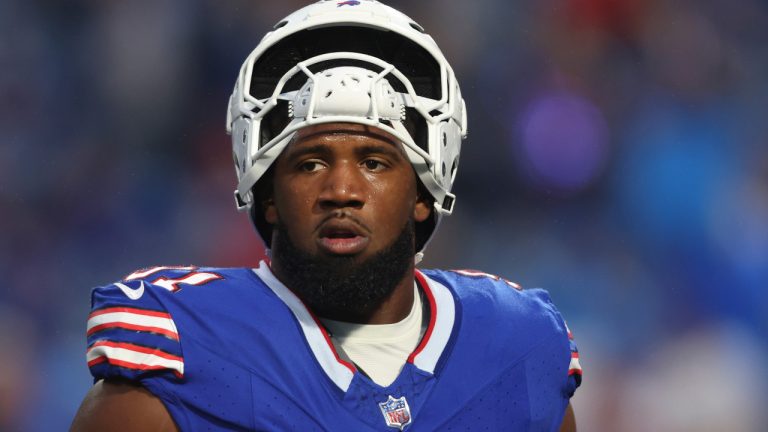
{"x": 618, "y": 156}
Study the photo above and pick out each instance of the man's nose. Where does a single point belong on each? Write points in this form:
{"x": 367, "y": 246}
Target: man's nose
{"x": 343, "y": 186}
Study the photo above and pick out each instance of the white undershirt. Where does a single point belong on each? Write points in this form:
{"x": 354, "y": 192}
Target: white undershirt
{"x": 380, "y": 350}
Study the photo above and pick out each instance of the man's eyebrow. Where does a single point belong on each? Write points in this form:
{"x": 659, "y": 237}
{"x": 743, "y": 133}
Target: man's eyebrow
{"x": 319, "y": 149}
{"x": 324, "y": 150}
{"x": 390, "y": 150}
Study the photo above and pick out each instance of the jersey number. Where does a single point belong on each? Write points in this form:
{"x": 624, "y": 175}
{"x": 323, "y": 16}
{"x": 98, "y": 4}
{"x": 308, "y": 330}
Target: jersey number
{"x": 192, "y": 277}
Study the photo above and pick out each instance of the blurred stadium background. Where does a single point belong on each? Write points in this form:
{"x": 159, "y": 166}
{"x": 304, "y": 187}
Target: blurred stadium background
{"x": 618, "y": 156}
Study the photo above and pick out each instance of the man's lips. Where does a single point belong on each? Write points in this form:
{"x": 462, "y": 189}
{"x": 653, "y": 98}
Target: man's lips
{"x": 342, "y": 237}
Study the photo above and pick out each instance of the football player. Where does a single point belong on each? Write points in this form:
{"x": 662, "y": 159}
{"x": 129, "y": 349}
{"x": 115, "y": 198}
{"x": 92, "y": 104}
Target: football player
{"x": 346, "y": 124}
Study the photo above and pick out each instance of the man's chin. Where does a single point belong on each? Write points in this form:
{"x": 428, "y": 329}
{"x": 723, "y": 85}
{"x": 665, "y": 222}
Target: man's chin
{"x": 333, "y": 283}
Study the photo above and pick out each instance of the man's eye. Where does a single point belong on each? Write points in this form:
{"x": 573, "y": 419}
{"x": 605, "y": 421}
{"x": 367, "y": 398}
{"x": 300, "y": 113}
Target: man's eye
{"x": 310, "y": 166}
{"x": 374, "y": 165}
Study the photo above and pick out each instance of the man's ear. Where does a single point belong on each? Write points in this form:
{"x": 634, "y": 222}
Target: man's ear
{"x": 422, "y": 210}
{"x": 270, "y": 212}
{"x": 424, "y": 200}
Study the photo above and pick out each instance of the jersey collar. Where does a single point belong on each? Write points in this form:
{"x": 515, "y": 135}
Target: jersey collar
{"x": 426, "y": 355}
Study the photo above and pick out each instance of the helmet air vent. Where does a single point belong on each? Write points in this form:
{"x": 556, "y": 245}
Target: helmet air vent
{"x": 416, "y": 27}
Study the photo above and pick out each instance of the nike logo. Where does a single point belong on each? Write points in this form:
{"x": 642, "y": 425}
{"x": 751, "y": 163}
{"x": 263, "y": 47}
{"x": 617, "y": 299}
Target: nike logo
{"x": 133, "y": 294}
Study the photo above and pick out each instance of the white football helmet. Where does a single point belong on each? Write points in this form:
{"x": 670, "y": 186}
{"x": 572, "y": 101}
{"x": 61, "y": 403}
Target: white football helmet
{"x": 354, "y": 61}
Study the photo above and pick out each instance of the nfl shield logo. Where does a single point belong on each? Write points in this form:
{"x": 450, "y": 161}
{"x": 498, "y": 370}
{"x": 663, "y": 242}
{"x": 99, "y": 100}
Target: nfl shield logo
{"x": 396, "y": 412}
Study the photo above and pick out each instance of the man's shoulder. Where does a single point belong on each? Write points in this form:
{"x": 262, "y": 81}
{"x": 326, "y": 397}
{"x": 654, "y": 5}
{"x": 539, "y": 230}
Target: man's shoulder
{"x": 145, "y": 322}
{"x": 491, "y": 300}
{"x": 508, "y": 323}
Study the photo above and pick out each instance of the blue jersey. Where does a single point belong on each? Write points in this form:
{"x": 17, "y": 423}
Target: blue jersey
{"x": 234, "y": 349}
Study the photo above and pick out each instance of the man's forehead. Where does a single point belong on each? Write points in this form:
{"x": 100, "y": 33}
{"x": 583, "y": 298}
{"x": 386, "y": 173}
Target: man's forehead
{"x": 319, "y": 131}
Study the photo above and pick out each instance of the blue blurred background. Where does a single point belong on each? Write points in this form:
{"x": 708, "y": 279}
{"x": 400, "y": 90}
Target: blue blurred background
{"x": 618, "y": 156}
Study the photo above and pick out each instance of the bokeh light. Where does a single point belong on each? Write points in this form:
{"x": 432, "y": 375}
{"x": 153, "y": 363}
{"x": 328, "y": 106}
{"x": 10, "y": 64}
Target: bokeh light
{"x": 563, "y": 142}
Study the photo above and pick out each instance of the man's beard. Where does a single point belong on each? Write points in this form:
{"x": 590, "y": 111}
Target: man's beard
{"x": 340, "y": 286}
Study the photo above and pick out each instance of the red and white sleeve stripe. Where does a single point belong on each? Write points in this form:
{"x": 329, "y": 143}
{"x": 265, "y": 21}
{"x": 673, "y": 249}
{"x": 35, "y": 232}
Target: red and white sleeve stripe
{"x": 133, "y": 356}
{"x": 574, "y": 367}
{"x": 132, "y": 319}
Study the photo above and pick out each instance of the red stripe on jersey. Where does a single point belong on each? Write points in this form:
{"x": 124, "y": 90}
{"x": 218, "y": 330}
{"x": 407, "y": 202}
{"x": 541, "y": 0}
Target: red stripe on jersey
{"x": 574, "y": 354}
{"x": 473, "y": 273}
{"x": 574, "y": 372}
{"x": 136, "y": 327}
{"x": 146, "y": 312}
{"x": 347, "y": 364}
{"x": 432, "y": 316}
{"x": 327, "y": 338}
{"x": 97, "y": 360}
{"x": 137, "y": 348}
{"x": 129, "y": 365}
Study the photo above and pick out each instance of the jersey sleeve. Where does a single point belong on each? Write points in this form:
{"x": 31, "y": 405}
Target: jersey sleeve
{"x": 131, "y": 334}
{"x": 574, "y": 367}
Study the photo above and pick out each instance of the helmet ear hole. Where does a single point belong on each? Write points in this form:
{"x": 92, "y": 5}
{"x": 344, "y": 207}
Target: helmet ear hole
{"x": 416, "y": 126}
{"x": 454, "y": 167}
{"x": 275, "y": 121}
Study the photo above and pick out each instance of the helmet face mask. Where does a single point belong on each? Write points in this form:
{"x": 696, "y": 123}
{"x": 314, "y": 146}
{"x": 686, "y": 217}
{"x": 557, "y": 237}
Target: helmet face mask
{"x": 368, "y": 64}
